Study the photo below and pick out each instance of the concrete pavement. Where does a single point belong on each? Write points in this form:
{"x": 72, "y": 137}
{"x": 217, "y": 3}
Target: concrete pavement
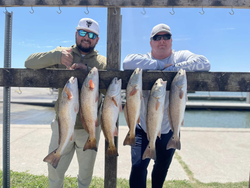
{"x": 212, "y": 154}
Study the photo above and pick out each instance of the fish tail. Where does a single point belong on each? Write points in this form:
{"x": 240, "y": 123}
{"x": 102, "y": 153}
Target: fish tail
{"x": 149, "y": 153}
{"x": 90, "y": 144}
{"x": 112, "y": 151}
{"x": 53, "y": 158}
{"x": 174, "y": 143}
{"x": 129, "y": 140}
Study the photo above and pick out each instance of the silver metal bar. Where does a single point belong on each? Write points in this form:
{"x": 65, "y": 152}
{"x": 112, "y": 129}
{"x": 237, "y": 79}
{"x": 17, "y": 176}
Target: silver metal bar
{"x": 6, "y": 102}
{"x": 248, "y": 97}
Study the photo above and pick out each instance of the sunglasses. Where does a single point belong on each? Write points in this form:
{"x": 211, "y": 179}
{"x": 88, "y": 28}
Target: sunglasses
{"x": 83, "y": 33}
{"x": 165, "y": 37}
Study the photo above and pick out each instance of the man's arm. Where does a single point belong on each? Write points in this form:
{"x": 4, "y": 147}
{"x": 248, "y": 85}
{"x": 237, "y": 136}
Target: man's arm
{"x": 142, "y": 61}
{"x": 189, "y": 62}
{"x": 48, "y": 59}
{"x": 44, "y": 59}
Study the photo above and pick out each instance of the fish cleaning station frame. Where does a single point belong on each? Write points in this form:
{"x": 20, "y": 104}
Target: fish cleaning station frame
{"x": 197, "y": 81}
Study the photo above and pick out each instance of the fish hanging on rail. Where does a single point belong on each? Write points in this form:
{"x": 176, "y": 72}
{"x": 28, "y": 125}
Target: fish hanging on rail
{"x": 112, "y": 105}
{"x": 133, "y": 105}
{"x": 68, "y": 108}
{"x": 89, "y": 107}
{"x": 155, "y": 112}
{"x": 177, "y": 106}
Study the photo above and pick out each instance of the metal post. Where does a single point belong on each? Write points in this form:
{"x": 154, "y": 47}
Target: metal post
{"x": 248, "y": 97}
{"x": 6, "y": 102}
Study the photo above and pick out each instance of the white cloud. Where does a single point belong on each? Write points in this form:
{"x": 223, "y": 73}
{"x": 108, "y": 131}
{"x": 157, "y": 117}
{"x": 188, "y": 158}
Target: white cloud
{"x": 33, "y": 45}
{"x": 67, "y": 41}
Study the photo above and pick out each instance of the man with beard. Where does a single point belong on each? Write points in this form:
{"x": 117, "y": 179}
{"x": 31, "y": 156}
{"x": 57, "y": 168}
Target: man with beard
{"x": 82, "y": 55}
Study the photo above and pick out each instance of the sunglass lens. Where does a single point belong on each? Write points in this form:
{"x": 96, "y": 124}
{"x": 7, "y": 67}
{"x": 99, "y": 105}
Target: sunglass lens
{"x": 157, "y": 37}
{"x": 166, "y": 37}
{"x": 82, "y": 33}
{"x": 92, "y": 35}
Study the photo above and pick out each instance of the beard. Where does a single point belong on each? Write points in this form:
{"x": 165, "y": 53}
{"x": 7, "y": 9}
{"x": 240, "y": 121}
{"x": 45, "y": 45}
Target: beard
{"x": 85, "y": 49}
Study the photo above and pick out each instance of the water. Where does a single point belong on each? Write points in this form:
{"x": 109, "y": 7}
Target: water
{"x": 30, "y": 114}
{"x": 205, "y": 118}
{"x": 212, "y": 118}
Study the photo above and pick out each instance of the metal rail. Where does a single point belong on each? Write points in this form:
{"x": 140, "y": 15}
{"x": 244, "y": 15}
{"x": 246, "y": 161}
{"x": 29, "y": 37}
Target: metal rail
{"x": 6, "y": 102}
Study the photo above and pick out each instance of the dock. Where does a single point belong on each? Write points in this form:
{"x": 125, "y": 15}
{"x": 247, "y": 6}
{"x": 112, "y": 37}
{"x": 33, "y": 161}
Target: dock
{"x": 48, "y": 97}
{"x": 217, "y": 97}
{"x": 217, "y": 106}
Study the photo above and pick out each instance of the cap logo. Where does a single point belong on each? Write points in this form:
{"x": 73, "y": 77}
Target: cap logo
{"x": 89, "y": 23}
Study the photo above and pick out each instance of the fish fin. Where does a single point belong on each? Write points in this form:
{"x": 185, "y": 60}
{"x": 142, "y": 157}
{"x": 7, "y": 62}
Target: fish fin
{"x": 159, "y": 134}
{"x": 169, "y": 118}
{"x": 138, "y": 120}
{"x": 69, "y": 93}
{"x": 83, "y": 122}
{"x": 133, "y": 91}
{"x": 126, "y": 114}
{"x": 71, "y": 138}
{"x": 186, "y": 97}
{"x": 114, "y": 101}
{"x": 157, "y": 105}
{"x": 90, "y": 144}
{"x": 112, "y": 151}
{"x": 149, "y": 153}
{"x": 115, "y": 132}
{"x": 140, "y": 95}
{"x": 53, "y": 158}
{"x": 182, "y": 123}
{"x": 129, "y": 140}
{"x": 181, "y": 94}
{"x": 91, "y": 84}
{"x": 96, "y": 96}
{"x": 174, "y": 143}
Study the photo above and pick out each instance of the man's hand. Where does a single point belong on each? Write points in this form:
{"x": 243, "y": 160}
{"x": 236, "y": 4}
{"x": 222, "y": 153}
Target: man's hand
{"x": 167, "y": 65}
{"x": 79, "y": 66}
{"x": 67, "y": 58}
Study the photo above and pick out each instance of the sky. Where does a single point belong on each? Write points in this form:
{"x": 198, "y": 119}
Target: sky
{"x": 223, "y": 38}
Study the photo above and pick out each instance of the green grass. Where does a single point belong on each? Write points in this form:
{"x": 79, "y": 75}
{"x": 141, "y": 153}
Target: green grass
{"x": 26, "y": 180}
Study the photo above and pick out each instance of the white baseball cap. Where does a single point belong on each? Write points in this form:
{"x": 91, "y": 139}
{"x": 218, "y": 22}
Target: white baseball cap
{"x": 89, "y": 24}
{"x": 160, "y": 28}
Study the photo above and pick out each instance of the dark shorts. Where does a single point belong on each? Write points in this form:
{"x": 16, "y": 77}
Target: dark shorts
{"x": 163, "y": 160}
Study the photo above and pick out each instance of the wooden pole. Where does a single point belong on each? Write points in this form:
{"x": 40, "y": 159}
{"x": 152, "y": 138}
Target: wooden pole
{"x": 113, "y": 63}
{"x": 131, "y": 3}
